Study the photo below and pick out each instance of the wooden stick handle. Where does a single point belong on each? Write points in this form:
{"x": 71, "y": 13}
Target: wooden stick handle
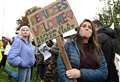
{"x": 63, "y": 53}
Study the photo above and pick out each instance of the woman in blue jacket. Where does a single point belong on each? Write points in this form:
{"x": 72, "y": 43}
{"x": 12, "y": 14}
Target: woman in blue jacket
{"x": 21, "y": 54}
{"x": 86, "y": 58}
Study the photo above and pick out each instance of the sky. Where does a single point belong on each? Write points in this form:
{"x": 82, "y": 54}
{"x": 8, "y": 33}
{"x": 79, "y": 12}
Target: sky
{"x": 10, "y": 11}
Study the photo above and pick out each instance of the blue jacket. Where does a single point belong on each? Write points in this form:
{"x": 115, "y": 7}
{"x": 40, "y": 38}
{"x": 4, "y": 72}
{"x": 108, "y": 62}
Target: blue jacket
{"x": 21, "y": 53}
{"x": 91, "y": 75}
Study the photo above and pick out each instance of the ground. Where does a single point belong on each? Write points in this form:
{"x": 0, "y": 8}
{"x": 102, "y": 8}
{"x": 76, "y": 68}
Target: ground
{"x": 4, "y": 77}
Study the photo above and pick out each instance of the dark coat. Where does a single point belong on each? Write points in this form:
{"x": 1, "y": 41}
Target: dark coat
{"x": 107, "y": 39}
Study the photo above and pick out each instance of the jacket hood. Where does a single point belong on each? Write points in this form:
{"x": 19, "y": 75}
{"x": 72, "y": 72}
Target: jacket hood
{"x": 110, "y": 32}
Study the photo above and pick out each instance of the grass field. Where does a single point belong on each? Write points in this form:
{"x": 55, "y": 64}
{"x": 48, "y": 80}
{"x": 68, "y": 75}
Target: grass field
{"x": 4, "y": 77}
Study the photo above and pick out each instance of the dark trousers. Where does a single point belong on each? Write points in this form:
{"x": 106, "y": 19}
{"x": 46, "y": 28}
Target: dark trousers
{"x": 3, "y": 61}
{"x": 41, "y": 70}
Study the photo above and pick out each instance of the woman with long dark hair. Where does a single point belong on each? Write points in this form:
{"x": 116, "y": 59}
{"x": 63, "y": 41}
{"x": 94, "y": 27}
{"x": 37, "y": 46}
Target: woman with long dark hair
{"x": 87, "y": 60}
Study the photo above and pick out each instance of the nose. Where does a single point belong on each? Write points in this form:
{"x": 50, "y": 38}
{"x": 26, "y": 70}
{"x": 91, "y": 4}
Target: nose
{"x": 87, "y": 28}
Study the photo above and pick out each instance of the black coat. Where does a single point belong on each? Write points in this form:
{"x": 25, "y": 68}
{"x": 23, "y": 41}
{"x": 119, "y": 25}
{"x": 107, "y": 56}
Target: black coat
{"x": 107, "y": 40}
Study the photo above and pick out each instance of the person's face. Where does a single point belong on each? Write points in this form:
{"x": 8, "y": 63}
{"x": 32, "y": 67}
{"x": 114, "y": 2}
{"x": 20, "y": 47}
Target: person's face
{"x": 85, "y": 30}
{"x": 24, "y": 31}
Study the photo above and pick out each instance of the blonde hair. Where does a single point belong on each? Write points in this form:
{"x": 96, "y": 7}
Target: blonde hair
{"x": 30, "y": 37}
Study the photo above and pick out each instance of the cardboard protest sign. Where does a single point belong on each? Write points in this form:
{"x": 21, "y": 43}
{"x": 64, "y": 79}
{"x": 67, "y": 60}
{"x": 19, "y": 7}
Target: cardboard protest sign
{"x": 45, "y": 22}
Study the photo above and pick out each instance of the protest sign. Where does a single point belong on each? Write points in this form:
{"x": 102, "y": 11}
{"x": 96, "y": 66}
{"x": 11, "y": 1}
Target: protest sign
{"x": 45, "y": 22}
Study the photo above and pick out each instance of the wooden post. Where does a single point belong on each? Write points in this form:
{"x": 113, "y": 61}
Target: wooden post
{"x": 60, "y": 44}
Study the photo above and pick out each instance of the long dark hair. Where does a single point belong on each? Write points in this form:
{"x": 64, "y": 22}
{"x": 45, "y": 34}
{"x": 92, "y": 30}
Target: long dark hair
{"x": 93, "y": 39}
{"x": 92, "y": 42}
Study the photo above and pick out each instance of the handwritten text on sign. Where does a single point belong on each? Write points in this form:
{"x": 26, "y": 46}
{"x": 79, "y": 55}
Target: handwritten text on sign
{"x": 57, "y": 15}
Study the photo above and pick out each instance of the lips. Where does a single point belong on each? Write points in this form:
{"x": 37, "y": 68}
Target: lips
{"x": 85, "y": 33}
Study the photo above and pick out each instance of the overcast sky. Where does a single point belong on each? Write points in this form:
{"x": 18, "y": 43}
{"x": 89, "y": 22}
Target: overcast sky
{"x": 11, "y": 10}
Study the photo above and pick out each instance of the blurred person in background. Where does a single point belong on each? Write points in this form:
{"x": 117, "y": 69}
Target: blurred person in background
{"x": 47, "y": 69}
{"x": 107, "y": 39}
{"x": 1, "y": 46}
{"x": 22, "y": 54}
{"x": 5, "y": 42}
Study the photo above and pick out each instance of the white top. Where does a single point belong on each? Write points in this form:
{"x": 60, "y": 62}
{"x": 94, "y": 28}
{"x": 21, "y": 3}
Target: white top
{"x": 45, "y": 51}
{"x": 7, "y": 49}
